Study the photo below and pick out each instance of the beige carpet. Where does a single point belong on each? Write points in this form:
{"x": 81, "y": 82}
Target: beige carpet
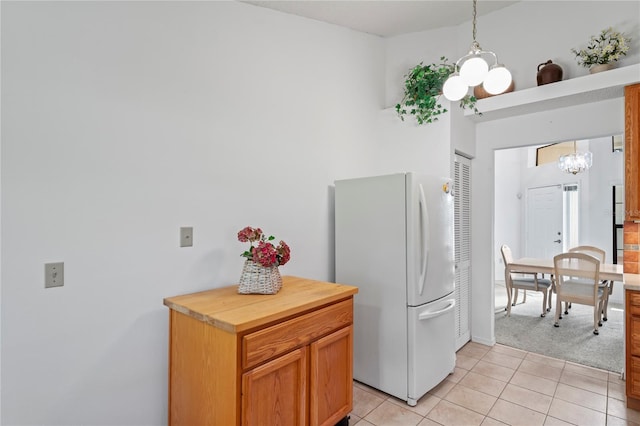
{"x": 572, "y": 341}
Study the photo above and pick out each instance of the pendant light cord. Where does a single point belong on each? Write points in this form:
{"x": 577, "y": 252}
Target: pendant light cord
{"x": 474, "y": 69}
{"x": 474, "y": 20}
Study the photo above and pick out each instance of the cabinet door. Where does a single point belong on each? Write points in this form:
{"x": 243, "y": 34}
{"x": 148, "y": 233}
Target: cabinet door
{"x": 331, "y": 378}
{"x": 633, "y": 323}
{"x": 632, "y": 346}
{"x": 633, "y": 377}
{"x": 632, "y": 151}
{"x": 275, "y": 393}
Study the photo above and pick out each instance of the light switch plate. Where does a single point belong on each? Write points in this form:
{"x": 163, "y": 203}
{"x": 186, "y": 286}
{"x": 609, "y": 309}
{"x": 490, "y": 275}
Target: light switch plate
{"x": 53, "y": 274}
{"x": 186, "y": 236}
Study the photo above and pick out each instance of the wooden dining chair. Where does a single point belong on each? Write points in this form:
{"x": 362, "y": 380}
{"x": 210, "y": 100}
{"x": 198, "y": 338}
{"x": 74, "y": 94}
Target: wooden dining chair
{"x": 515, "y": 280}
{"x": 599, "y": 254}
{"x": 577, "y": 280}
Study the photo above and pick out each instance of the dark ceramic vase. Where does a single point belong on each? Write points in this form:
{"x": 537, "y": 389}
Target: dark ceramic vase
{"x": 549, "y": 73}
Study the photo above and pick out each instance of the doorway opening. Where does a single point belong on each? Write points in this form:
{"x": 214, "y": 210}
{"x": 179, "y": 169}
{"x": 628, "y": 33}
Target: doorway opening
{"x": 583, "y": 203}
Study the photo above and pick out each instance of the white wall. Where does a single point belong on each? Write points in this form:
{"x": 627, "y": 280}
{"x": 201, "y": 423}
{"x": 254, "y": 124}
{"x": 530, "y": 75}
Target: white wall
{"x": 608, "y": 171}
{"x": 407, "y": 146}
{"x": 509, "y": 199}
{"x": 121, "y": 123}
{"x": 124, "y": 121}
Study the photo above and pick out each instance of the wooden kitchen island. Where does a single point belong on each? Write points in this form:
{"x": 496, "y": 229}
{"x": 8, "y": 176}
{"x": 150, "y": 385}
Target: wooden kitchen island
{"x": 283, "y": 359}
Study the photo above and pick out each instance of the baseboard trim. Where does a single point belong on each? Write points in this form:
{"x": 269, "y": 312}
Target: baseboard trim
{"x": 483, "y": 341}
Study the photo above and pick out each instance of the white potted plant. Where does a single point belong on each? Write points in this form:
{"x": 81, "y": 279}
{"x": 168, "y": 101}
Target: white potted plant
{"x": 602, "y": 50}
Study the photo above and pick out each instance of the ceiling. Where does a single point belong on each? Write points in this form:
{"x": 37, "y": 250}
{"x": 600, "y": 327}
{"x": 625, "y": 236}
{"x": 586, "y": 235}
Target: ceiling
{"x": 386, "y": 18}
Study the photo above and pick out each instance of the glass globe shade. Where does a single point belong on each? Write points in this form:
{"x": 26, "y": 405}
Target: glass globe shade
{"x": 498, "y": 80}
{"x": 454, "y": 88}
{"x": 474, "y": 70}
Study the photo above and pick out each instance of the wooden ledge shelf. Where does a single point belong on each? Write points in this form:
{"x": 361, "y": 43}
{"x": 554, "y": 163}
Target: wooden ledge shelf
{"x": 574, "y": 91}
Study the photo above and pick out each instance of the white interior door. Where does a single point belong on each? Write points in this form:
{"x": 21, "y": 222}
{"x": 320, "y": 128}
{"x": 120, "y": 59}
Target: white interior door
{"x": 544, "y": 222}
{"x": 462, "y": 239}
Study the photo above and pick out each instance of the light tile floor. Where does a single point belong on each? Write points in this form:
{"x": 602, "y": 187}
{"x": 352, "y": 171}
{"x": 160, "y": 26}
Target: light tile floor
{"x": 500, "y": 385}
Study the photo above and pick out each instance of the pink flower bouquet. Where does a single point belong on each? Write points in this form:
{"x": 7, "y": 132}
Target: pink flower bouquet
{"x": 262, "y": 251}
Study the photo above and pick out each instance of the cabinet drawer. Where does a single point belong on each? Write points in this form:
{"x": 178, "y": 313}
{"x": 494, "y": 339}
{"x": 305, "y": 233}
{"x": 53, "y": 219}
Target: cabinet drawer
{"x": 281, "y": 338}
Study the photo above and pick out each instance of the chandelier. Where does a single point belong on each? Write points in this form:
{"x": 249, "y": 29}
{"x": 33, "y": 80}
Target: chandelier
{"x": 473, "y": 69}
{"x": 576, "y": 162}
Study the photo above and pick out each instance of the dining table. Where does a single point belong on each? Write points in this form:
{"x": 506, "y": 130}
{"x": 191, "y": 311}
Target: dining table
{"x": 608, "y": 271}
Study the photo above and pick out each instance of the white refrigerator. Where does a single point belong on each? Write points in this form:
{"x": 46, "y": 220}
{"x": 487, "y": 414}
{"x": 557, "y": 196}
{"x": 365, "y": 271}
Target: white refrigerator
{"x": 394, "y": 240}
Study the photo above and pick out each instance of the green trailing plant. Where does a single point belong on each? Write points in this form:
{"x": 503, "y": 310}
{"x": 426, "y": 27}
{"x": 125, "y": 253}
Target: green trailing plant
{"x": 422, "y": 91}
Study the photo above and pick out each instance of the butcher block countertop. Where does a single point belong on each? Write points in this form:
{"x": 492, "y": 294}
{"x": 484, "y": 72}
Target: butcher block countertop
{"x": 632, "y": 282}
{"x": 228, "y": 310}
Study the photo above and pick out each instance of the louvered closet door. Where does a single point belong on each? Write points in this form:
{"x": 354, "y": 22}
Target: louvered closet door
{"x": 462, "y": 182}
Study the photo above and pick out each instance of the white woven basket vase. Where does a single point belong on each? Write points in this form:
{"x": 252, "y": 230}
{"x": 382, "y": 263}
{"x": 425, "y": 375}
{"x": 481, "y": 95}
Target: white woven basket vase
{"x": 259, "y": 279}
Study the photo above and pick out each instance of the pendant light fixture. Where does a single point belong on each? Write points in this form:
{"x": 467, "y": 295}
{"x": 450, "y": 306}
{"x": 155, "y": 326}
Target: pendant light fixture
{"x": 576, "y": 162}
{"x": 473, "y": 69}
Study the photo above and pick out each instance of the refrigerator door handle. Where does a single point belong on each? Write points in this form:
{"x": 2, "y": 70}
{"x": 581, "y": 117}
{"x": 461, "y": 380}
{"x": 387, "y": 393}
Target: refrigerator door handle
{"x": 424, "y": 220}
{"x": 427, "y": 315}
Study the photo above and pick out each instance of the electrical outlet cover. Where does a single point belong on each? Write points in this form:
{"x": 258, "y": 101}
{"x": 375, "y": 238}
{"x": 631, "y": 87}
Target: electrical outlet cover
{"x": 186, "y": 236}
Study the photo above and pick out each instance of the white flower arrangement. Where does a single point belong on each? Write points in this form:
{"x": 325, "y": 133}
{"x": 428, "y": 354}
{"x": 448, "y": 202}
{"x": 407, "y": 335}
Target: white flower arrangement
{"x": 607, "y": 47}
